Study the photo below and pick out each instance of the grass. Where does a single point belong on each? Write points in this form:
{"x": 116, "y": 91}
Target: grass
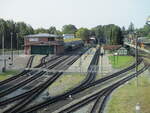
{"x": 71, "y": 39}
{"x": 37, "y": 60}
{"x": 124, "y": 99}
{"x": 7, "y": 74}
{"x": 121, "y": 61}
{"x": 65, "y": 83}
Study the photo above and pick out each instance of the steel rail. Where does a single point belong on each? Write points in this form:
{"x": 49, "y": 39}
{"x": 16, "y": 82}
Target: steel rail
{"x": 30, "y": 79}
{"x": 101, "y": 94}
{"x": 34, "y": 94}
{"x": 63, "y": 96}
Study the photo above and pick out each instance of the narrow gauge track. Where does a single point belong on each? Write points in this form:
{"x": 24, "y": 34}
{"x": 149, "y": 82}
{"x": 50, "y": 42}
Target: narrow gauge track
{"x": 103, "y": 94}
{"x": 63, "y": 96}
{"x": 42, "y": 87}
{"x": 9, "y": 100}
{"x": 109, "y": 91}
{"x": 29, "y": 64}
{"x": 30, "y": 79}
{"x": 20, "y": 74}
{"x": 91, "y": 70}
{"x": 30, "y": 72}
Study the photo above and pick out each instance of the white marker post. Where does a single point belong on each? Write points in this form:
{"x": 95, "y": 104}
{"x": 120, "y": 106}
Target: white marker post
{"x": 70, "y": 97}
{"x": 137, "y": 108}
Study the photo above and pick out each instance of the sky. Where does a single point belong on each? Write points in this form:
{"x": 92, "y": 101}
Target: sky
{"x": 81, "y": 13}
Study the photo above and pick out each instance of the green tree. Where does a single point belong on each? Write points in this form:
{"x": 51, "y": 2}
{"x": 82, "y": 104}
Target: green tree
{"x": 131, "y": 28}
{"x": 52, "y": 30}
{"x": 3, "y": 28}
{"x": 99, "y": 33}
{"x": 83, "y": 33}
{"x": 69, "y": 29}
{"x": 23, "y": 29}
{"x": 41, "y": 30}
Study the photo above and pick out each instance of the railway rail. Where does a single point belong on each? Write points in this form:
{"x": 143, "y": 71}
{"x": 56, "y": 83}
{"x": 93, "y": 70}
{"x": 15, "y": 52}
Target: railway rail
{"x": 80, "y": 89}
{"x": 42, "y": 87}
{"x": 102, "y": 95}
{"x": 28, "y": 79}
{"x": 105, "y": 97}
{"x": 9, "y": 100}
{"x": 20, "y": 74}
{"x": 29, "y": 63}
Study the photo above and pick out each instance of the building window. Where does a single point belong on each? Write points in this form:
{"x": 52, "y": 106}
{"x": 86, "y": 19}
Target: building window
{"x": 51, "y": 39}
{"x": 33, "y": 39}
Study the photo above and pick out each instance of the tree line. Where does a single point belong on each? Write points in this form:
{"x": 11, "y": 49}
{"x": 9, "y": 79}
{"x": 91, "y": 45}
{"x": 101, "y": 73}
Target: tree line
{"x": 141, "y": 32}
{"x": 108, "y": 34}
{"x": 17, "y": 30}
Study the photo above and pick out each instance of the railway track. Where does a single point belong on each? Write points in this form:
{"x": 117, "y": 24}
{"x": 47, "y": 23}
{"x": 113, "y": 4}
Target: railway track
{"x": 42, "y": 87}
{"x": 20, "y": 74}
{"x": 29, "y": 63}
{"x": 27, "y": 79}
{"x": 28, "y": 71}
{"x": 15, "y": 79}
{"x": 80, "y": 89}
{"x": 101, "y": 96}
{"x": 34, "y": 89}
{"x": 9, "y": 100}
{"x": 100, "y": 107}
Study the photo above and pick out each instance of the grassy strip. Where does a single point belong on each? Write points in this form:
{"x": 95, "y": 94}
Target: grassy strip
{"x": 37, "y": 60}
{"x": 125, "y": 98}
{"x": 121, "y": 61}
{"x": 71, "y": 39}
{"x": 7, "y": 74}
{"x": 65, "y": 83}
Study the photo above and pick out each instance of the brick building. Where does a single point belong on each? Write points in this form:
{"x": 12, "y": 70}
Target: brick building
{"x": 43, "y": 43}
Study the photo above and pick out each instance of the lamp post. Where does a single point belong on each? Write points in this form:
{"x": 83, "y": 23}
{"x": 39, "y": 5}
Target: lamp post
{"x": 136, "y": 57}
{"x": 116, "y": 54}
{"x": 4, "y": 60}
{"x": 80, "y": 65}
{"x": 148, "y": 21}
{"x": 17, "y": 43}
{"x": 11, "y": 47}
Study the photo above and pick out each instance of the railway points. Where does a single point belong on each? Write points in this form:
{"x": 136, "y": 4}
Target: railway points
{"x": 45, "y": 85}
{"x": 77, "y": 95}
{"x": 132, "y": 66}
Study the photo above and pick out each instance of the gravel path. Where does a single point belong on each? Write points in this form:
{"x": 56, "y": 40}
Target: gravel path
{"x": 70, "y": 80}
{"x": 19, "y": 63}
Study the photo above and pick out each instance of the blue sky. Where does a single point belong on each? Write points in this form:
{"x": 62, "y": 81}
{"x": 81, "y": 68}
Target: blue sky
{"x": 82, "y": 13}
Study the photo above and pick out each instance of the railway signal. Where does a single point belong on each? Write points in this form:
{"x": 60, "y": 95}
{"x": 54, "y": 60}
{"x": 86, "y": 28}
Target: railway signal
{"x": 11, "y": 47}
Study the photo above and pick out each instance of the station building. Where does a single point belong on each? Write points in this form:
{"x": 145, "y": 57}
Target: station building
{"x": 43, "y": 44}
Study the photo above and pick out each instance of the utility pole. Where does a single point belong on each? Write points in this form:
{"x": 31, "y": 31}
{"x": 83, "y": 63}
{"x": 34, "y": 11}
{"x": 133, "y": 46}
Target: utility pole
{"x": 17, "y": 43}
{"x": 4, "y": 60}
{"x": 136, "y": 57}
{"x": 11, "y": 47}
{"x": 102, "y": 65}
{"x": 80, "y": 65}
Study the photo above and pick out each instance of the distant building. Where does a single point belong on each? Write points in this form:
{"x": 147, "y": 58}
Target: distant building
{"x": 112, "y": 47}
{"x": 122, "y": 51}
{"x": 43, "y": 43}
{"x": 92, "y": 40}
{"x": 66, "y": 36}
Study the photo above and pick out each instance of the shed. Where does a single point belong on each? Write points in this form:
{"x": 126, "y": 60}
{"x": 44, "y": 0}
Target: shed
{"x": 43, "y": 43}
{"x": 122, "y": 51}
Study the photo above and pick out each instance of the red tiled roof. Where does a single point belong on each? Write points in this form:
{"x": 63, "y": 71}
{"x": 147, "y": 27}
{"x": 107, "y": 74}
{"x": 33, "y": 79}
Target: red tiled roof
{"x": 112, "y": 47}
